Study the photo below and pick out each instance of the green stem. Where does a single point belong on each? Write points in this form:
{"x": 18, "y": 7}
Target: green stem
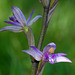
{"x": 44, "y": 28}
{"x": 31, "y": 42}
{"x": 40, "y": 70}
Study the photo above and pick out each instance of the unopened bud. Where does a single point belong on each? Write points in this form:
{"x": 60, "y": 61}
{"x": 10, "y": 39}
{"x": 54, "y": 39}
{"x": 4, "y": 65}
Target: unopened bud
{"x": 45, "y": 3}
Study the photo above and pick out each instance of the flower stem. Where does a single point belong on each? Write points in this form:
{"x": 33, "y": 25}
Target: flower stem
{"x": 31, "y": 42}
{"x": 44, "y": 27}
{"x": 43, "y": 30}
{"x": 40, "y": 70}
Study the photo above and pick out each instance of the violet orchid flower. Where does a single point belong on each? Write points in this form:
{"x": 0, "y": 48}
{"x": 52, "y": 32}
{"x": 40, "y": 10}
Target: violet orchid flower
{"x": 19, "y": 21}
{"x": 48, "y": 54}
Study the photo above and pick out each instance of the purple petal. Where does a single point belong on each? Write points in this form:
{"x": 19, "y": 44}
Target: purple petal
{"x": 12, "y": 28}
{"x": 33, "y": 53}
{"x": 30, "y": 16}
{"x": 59, "y": 54}
{"x": 34, "y": 19}
{"x": 47, "y": 47}
{"x": 46, "y": 57}
{"x": 19, "y": 15}
{"x": 38, "y": 51}
{"x": 51, "y": 60}
{"x": 12, "y": 18}
{"x": 13, "y": 23}
{"x": 62, "y": 59}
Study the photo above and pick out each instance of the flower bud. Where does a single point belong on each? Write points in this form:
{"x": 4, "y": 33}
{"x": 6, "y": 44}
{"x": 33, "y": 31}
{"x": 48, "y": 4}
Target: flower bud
{"x": 45, "y": 3}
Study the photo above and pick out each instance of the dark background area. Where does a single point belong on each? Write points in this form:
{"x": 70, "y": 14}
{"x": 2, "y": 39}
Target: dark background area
{"x": 61, "y": 30}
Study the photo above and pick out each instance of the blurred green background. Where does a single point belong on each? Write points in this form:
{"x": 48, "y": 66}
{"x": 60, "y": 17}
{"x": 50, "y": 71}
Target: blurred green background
{"x": 61, "y": 30}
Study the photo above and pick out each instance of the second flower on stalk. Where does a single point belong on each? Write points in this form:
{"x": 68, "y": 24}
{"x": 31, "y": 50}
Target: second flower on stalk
{"x": 19, "y": 21}
{"x": 48, "y": 54}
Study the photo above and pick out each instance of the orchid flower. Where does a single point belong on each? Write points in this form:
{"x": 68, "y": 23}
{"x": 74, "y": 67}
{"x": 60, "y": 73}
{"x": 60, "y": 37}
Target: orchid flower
{"x": 48, "y": 54}
{"x": 19, "y": 21}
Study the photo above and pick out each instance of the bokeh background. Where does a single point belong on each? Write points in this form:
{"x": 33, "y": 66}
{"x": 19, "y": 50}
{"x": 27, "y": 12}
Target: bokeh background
{"x": 61, "y": 30}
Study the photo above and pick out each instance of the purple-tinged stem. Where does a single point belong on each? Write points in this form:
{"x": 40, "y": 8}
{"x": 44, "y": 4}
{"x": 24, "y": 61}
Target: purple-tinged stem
{"x": 40, "y": 70}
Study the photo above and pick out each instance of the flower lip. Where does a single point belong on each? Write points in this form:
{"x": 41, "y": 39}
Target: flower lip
{"x": 51, "y": 60}
{"x": 56, "y": 58}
